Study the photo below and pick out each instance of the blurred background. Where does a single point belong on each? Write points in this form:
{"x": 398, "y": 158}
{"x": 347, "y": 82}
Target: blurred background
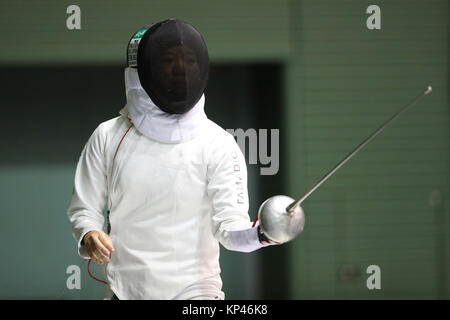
{"x": 311, "y": 69}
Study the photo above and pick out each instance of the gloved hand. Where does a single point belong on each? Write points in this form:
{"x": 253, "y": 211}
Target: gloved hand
{"x": 263, "y": 239}
{"x": 250, "y": 239}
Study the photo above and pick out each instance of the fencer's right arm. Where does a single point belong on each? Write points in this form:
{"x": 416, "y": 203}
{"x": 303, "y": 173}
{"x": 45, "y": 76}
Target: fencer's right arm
{"x": 89, "y": 195}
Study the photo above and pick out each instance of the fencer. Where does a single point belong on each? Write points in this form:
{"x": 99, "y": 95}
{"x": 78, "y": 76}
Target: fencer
{"x": 174, "y": 183}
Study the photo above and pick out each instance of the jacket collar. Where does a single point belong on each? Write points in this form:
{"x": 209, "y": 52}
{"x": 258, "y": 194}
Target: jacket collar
{"x": 154, "y": 123}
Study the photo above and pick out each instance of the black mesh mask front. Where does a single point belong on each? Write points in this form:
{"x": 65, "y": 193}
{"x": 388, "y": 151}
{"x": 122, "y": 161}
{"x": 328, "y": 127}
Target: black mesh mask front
{"x": 173, "y": 65}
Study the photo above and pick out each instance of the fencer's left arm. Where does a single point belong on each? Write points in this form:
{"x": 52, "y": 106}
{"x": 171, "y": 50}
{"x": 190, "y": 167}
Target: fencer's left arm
{"x": 227, "y": 189}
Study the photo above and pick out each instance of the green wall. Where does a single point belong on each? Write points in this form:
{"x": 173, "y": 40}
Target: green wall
{"x": 388, "y": 206}
{"x": 233, "y": 30}
{"x": 344, "y": 81}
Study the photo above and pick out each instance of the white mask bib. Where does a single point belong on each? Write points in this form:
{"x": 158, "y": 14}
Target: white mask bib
{"x": 156, "y": 124}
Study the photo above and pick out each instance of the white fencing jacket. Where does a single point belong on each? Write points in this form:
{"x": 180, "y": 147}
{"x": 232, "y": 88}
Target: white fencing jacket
{"x": 173, "y": 194}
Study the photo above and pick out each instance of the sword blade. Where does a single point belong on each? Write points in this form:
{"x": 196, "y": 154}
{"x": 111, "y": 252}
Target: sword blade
{"x": 291, "y": 207}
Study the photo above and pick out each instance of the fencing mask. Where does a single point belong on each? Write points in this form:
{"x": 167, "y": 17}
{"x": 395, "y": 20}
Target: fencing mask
{"x": 172, "y": 63}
